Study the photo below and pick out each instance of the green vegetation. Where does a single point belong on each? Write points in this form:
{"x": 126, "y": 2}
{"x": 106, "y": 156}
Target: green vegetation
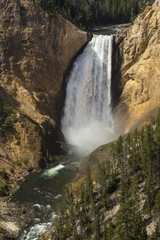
{"x": 156, "y": 235}
{"x": 3, "y": 187}
{"x": 18, "y": 163}
{"x": 2, "y": 230}
{"x": 129, "y": 180}
{"x": 99, "y": 12}
{"x": 21, "y": 162}
{"x": 8, "y": 116}
{"x": 12, "y": 170}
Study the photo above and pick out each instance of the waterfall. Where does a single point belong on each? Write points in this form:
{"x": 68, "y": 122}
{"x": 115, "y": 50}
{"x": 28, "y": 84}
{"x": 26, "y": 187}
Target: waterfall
{"x": 87, "y": 121}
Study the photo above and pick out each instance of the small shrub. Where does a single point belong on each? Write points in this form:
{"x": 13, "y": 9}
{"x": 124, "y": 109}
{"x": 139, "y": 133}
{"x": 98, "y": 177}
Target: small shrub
{"x": 7, "y": 116}
{"x": 4, "y": 174}
{"x": 25, "y": 161}
{"x": 2, "y": 230}
{"x": 12, "y": 171}
{"x": 4, "y": 191}
{"x": 18, "y": 163}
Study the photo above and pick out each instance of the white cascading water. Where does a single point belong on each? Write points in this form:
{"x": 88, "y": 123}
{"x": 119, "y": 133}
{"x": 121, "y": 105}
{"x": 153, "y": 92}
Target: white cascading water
{"x": 87, "y": 120}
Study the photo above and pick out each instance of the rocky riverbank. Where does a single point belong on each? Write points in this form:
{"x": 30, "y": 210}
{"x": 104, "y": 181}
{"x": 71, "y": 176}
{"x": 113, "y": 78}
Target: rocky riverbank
{"x": 35, "y": 55}
{"x": 14, "y": 218}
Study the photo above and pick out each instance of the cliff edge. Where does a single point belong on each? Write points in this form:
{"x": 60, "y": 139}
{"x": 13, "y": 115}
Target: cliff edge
{"x": 35, "y": 53}
{"x": 140, "y": 71}
{"x": 36, "y": 50}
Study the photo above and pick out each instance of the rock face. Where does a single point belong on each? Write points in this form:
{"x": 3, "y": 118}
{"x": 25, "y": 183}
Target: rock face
{"x": 140, "y": 70}
{"x": 35, "y": 53}
{"x": 14, "y": 218}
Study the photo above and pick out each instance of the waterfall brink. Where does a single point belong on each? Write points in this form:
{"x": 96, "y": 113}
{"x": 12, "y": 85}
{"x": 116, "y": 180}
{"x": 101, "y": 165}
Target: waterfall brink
{"x": 87, "y": 121}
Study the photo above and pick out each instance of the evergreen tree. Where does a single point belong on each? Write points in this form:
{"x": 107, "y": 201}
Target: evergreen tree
{"x": 99, "y": 12}
{"x": 156, "y": 234}
{"x": 88, "y": 187}
{"x": 157, "y": 203}
{"x": 147, "y": 165}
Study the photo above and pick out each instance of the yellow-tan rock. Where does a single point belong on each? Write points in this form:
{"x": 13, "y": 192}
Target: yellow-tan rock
{"x": 140, "y": 70}
{"x": 36, "y": 51}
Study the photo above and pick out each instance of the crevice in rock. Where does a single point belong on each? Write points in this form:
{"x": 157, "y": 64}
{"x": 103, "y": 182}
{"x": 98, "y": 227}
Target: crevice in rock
{"x": 116, "y": 74}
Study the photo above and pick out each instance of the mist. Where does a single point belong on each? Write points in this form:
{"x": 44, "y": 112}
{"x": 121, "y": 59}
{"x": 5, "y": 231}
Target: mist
{"x": 87, "y": 121}
{"x": 87, "y": 138}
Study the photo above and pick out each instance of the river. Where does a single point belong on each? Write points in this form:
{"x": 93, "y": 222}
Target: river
{"x": 87, "y": 123}
{"x": 43, "y": 190}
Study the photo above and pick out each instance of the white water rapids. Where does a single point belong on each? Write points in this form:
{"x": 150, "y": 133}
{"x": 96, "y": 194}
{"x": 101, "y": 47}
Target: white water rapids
{"x": 44, "y": 212}
{"x": 87, "y": 121}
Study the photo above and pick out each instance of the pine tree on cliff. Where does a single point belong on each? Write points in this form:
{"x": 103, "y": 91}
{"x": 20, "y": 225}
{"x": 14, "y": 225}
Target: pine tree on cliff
{"x": 156, "y": 234}
{"x": 88, "y": 187}
{"x": 119, "y": 150}
{"x": 147, "y": 165}
{"x": 157, "y": 204}
{"x": 101, "y": 177}
{"x": 128, "y": 224}
{"x": 156, "y": 125}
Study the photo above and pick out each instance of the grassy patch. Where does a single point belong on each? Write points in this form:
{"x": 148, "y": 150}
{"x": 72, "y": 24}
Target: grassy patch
{"x": 18, "y": 163}
{"x": 2, "y": 230}
{"x": 8, "y": 116}
{"x": 3, "y": 189}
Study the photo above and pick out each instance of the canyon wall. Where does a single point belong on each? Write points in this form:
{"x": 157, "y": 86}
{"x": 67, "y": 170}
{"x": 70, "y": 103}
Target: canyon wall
{"x": 140, "y": 71}
{"x": 35, "y": 52}
{"x": 136, "y": 96}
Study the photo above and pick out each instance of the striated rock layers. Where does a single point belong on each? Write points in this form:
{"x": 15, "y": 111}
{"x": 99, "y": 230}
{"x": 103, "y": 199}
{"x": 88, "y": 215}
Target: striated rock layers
{"x": 140, "y": 70}
{"x": 35, "y": 53}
